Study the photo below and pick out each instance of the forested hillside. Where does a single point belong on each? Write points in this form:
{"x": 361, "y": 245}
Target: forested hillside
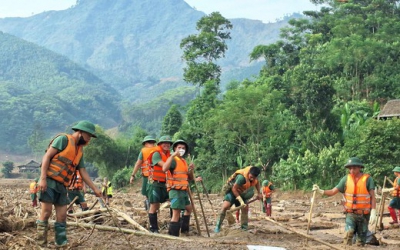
{"x": 134, "y": 44}
{"x": 42, "y": 92}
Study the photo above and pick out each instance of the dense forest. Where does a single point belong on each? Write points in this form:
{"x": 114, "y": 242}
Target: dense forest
{"x": 313, "y": 105}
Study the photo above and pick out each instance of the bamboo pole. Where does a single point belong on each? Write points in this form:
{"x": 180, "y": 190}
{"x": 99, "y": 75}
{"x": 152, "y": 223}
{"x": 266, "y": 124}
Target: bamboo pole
{"x": 208, "y": 197}
{"x": 302, "y": 234}
{"x": 202, "y": 210}
{"x": 125, "y": 230}
{"x": 72, "y": 203}
{"x": 311, "y": 210}
{"x": 194, "y": 210}
{"x": 88, "y": 212}
{"x": 94, "y": 204}
{"x": 381, "y": 208}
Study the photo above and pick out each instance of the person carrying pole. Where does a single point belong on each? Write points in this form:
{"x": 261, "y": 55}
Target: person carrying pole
{"x": 395, "y": 192}
{"x": 142, "y": 162}
{"x": 239, "y": 187}
{"x": 62, "y": 158}
{"x": 179, "y": 173}
{"x": 156, "y": 189}
{"x": 360, "y": 204}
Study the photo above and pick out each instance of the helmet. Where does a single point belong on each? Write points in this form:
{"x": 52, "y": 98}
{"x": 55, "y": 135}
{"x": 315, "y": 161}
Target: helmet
{"x": 36, "y": 179}
{"x": 85, "y": 126}
{"x": 396, "y": 169}
{"x": 354, "y": 161}
{"x": 148, "y": 138}
{"x": 265, "y": 183}
{"x": 181, "y": 142}
{"x": 165, "y": 138}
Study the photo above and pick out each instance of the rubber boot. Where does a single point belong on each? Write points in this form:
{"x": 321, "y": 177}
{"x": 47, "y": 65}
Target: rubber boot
{"x": 269, "y": 210}
{"x": 42, "y": 228}
{"x": 185, "y": 224}
{"x": 60, "y": 229}
{"x": 219, "y": 222}
{"x": 348, "y": 238}
{"x": 174, "y": 228}
{"x": 146, "y": 205}
{"x": 244, "y": 220}
{"x": 392, "y": 212}
{"x": 153, "y": 223}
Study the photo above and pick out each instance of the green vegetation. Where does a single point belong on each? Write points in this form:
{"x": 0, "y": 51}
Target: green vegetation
{"x": 8, "y": 167}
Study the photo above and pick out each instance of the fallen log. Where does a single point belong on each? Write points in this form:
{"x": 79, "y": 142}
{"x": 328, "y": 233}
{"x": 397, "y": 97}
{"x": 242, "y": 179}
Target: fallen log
{"x": 303, "y": 234}
{"x": 88, "y": 212}
{"x": 125, "y": 230}
{"x": 130, "y": 220}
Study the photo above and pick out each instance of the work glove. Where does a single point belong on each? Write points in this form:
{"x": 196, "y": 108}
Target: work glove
{"x": 316, "y": 188}
{"x": 387, "y": 190}
{"x": 372, "y": 217}
{"x": 239, "y": 198}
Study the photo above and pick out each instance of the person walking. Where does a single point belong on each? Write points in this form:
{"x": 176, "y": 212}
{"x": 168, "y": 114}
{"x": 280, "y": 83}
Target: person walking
{"x": 77, "y": 189}
{"x": 395, "y": 201}
{"x": 178, "y": 176}
{"x": 148, "y": 146}
{"x": 240, "y": 187}
{"x": 360, "y": 203}
{"x": 157, "y": 190}
{"x": 107, "y": 190}
{"x": 267, "y": 189}
{"x": 33, "y": 189}
{"x": 62, "y": 158}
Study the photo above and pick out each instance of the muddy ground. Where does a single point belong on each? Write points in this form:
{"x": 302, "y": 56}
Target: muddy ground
{"x": 290, "y": 210}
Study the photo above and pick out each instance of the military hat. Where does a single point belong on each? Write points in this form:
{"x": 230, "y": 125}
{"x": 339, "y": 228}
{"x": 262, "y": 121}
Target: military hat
{"x": 85, "y": 126}
{"x": 148, "y": 138}
{"x": 165, "y": 138}
{"x": 354, "y": 161}
{"x": 396, "y": 169}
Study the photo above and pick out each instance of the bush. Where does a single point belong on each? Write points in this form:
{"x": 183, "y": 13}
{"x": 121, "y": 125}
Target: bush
{"x": 121, "y": 177}
{"x": 8, "y": 167}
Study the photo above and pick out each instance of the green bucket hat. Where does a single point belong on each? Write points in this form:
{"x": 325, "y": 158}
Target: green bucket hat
{"x": 165, "y": 138}
{"x": 181, "y": 142}
{"x": 36, "y": 179}
{"x": 148, "y": 138}
{"x": 85, "y": 126}
{"x": 354, "y": 161}
{"x": 396, "y": 169}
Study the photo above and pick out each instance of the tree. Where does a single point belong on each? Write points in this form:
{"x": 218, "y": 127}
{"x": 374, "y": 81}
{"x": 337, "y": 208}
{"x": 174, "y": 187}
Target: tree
{"x": 201, "y": 50}
{"x": 172, "y": 121}
{"x": 8, "y": 167}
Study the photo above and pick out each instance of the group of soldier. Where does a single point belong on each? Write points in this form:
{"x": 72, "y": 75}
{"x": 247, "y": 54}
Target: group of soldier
{"x": 166, "y": 175}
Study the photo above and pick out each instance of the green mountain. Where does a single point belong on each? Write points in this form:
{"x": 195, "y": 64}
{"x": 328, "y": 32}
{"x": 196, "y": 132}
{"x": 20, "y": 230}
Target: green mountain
{"x": 42, "y": 92}
{"x": 134, "y": 44}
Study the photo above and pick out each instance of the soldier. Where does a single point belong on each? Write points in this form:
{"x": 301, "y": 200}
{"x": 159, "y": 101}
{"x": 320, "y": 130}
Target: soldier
{"x": 62, "y": 158}
{"x": 360, "y": 202}
{"x": 240, "y": 187}
{"x": 395, "y": 192}
{"x": 148, "y": 147}
{"x": 33, "y": 189}
{"x": 267, "y": 189}
{"x": 107, "y": 190}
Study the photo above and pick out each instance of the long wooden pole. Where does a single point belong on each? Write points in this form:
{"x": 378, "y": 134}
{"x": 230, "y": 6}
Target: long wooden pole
{"x": 381, "y": 208}
{"x": 302, "y": 234}
{"x": 202, "y": 210}
{"x": 72, "y": 203}
{"x": 311, "y": 209}
{"x": 194, "y": 210}
{"x": 208, "y": 197}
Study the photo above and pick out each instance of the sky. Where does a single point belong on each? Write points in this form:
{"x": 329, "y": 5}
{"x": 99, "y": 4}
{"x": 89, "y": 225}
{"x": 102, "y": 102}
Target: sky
{"x": 264, "y": 10}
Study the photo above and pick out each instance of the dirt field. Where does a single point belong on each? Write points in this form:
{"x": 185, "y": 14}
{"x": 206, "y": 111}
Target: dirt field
{"x": 17, "y": 227}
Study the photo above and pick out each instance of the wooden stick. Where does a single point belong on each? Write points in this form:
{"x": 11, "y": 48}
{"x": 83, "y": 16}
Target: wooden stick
{"x": 302, "y": 234}
{"x": 391, "y": 182}
{"x": 381, "y": 208}
{"x": 194, "y": 210}
{"x": 88, "y": 212}
{"x": 130, "y": 220}
{"x": 208, "y": 197}
{"x": 94, "y": 204}
{"x": 202, "y": 210}
{"x": 125, "y": 230}
{"x": 310, "y": 214}
{"x": 72, "y": 203}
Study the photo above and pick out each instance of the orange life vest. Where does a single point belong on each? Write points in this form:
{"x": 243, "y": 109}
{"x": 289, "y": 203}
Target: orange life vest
{"x": 357, "y": 196}
{"x": 178, "y": 179}
{"x": 33, "y": 187}
{"x": 145, "y": 164}
{"x": 266, "y": 190}
{"x": 396, "y": 191}
{"x": 245, "y": 172}
{"x": 63, "y": 165}
{"x": 77, "y": 183}
{"x": 155, "y": 172}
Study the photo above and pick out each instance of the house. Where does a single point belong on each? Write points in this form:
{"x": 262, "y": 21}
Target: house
{"x": 30, "y": 167}
{"x": 390, "y": 110}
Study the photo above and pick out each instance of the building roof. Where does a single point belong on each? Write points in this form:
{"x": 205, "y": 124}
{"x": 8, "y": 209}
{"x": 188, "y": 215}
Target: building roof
{"x": 391, "y": 109}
